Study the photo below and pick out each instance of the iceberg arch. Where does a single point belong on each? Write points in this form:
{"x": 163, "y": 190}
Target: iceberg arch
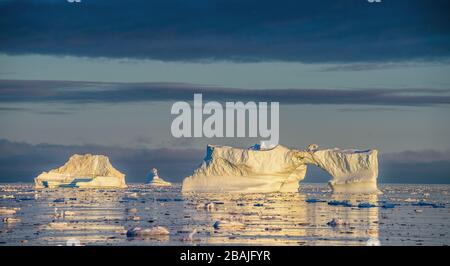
{"x": 228, "y": 169}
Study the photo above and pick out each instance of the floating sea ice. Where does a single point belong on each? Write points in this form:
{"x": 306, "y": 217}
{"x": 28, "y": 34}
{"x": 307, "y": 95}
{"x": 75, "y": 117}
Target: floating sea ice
{"x": 163, "y": 200}
{"x": 206, "y": 206}
{"x": 363, "y": 205}
{"x": 312, "y": 200}
{"x": 423, "y": 203}
{"x": 387, "y": 205}
{"x": 148, "y": 232}
{"x": 132, "y": 210}
{"x": 190, "y": 237}
{"x": 134, "y": 218}
{"x": 69, "y": 213}
{"x": 133, "y": 195}
{"x": 228, "y": 225}
{"x": 127, "y": 199}
{"x": 58, "y": 226}
{"x": 344, "y": 203}
{"x": 25, "y": 199}
{"x": 7, "y": 211}
{"x": 11, "y": 220}
{"x": 336, "y": 222}
{"x": 410, "y": 200}
{"x": 210, "y": 206}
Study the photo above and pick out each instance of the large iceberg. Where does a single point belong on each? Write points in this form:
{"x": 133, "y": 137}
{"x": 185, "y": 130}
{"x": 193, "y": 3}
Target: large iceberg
{"x": 228, "y": 169}
{"x": 84, "y": 171}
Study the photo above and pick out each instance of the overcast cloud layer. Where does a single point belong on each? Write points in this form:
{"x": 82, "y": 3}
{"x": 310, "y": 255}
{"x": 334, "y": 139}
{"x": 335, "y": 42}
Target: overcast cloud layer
{"x": 97, "y": 92}
{"x": 255, "y": 30}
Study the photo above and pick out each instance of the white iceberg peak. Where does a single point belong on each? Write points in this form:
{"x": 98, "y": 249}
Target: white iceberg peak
{"x": 155, "y": 180}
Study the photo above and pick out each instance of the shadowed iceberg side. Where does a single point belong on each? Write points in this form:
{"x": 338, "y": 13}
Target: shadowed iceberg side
{"x": 84, "y": 171}
{"x": 228, "y": 169}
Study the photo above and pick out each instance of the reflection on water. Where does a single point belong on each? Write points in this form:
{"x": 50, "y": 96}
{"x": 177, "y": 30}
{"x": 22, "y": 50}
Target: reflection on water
{"x": 102, "y": 217}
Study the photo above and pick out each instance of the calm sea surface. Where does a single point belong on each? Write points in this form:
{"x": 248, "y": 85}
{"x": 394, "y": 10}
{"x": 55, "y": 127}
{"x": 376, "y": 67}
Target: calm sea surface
{"x": 401, "y": 215}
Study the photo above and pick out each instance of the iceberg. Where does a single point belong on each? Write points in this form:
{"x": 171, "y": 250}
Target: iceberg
{"x": 246, "y": 170}
{"x": 155, "y": 180}
{"x": 83, "y": 171}
{"x": 280, "y": 169}
{"x": 353, "y": 171}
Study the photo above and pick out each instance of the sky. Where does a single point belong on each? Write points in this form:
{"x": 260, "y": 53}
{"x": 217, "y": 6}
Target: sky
{"x": 101, "y": 77}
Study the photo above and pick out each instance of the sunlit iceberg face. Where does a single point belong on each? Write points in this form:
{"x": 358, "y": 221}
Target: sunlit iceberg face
{"x": 279, "y": 169}
{"x": 83, "y": 171}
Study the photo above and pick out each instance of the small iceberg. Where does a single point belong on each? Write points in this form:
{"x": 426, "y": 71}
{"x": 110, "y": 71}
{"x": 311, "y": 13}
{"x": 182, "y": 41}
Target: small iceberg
{"x": 156, "y": 231}
{"x": 228, "y": 225}
{"x": 157, "y": 181}
{"x": 424, "y": 203}
{"x": 344, "y": 203}
{"x": 364, "y": 205}
{"x": 5, "y": 211}
{"x": 312, "y": 200}
{"x": 387, "y": 205}
{"x": 336, "y": 222}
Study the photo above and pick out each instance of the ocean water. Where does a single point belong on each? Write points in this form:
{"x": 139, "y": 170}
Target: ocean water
{"x": 401, "y": 215}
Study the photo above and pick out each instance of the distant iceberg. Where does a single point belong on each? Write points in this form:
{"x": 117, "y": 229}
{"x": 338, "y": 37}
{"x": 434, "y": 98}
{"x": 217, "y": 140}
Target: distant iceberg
{"x": 84, "y": 171}
{"x": 154, "y": 180}
{"x": 228, "y": 169}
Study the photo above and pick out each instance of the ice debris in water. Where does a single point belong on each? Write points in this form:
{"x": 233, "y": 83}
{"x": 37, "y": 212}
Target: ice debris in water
{"x": 147, "y": 232}
{"x": 344, "y": 203}
{"x": 424, "y": 203}
{"x": 363, "y": 205}
{"x": 336, "y": 222}
{"x": 207, "y": 206}
{"x": 11, "y": 220}
{"x": 228, "y": 225}
{"x": 7, "y": 211}
{"x": 312, "y": 200}
{"x": 387, "y": 205}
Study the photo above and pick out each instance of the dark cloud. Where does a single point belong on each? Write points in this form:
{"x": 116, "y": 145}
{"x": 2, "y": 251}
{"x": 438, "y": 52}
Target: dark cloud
{"x": 21, "y": 162}
{"x": 423, "y": 156}
{"x": 31, "y": 110}
{"x": 12, "y": 91}
{"x": 381, "y": 66}
{"x": 255, "y": 30}
{"x": 369, "y": 109}
{"x": 425, "y": 166}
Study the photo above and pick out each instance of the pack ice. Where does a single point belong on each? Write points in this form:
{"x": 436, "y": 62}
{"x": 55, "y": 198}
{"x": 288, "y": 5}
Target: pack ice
{"x": 84, "y": 171}
{"x": 252, "y": 170}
